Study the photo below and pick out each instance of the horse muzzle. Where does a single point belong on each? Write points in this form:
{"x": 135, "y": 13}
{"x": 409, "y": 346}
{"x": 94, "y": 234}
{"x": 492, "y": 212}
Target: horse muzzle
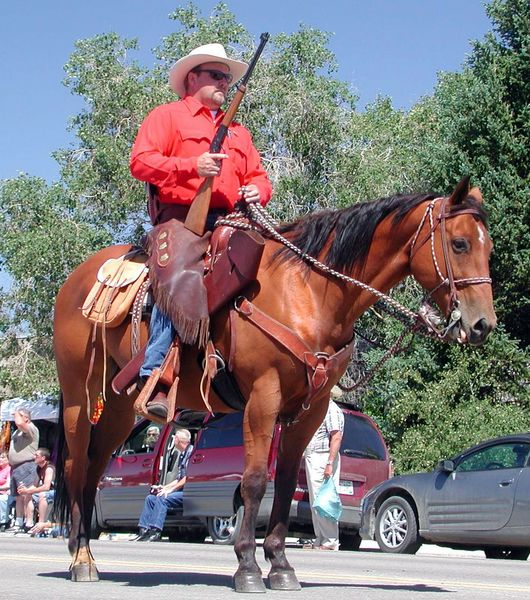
{"x": 474, "y": 334}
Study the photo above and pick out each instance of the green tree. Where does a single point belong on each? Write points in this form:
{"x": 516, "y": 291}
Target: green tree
{"x": 320, "y": 152}
{"x": 481, "y": 127}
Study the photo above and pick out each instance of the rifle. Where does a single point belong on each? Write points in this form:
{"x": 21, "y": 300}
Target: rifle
{"x": 198, "y": 212}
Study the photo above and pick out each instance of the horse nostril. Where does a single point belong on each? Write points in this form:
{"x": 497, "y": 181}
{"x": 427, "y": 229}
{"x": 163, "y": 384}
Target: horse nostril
{"x": 481, "y": 327}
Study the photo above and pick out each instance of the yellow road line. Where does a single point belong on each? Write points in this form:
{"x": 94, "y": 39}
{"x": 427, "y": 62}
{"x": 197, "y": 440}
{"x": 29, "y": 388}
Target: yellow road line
{"x": 302, "y": 575}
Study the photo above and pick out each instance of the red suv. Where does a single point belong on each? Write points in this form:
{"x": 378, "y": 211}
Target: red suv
{"x": 212, "y": 501}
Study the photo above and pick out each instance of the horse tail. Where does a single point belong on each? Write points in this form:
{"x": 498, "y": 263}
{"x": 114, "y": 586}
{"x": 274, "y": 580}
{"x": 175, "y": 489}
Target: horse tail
{"x": 61, "y": 505}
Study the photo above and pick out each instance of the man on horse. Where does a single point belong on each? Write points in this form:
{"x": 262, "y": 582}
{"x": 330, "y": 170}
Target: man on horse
{"x": 171, "y": 153}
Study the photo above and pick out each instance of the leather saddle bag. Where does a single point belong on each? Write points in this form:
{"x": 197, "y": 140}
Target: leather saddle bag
{"x": 117, "y": 283}
{"x": 235, "y": 260}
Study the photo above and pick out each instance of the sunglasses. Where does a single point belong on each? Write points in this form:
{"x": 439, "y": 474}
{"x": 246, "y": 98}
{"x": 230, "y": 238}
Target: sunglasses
{"x": 216, "y": 75}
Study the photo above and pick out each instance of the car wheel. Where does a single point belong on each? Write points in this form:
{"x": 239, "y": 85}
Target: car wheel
{"x": 396, "y": 529}
{"x": 350, "y": 541}
{"x": 507, "y": 553}
{"x": 224, "y": 530}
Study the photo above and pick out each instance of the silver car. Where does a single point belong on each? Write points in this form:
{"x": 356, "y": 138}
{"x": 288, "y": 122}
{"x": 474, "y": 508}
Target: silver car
{"x": 478, "y": 500}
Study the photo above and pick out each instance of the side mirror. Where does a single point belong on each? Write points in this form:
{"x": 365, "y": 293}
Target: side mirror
{"x": 447, "y": 466}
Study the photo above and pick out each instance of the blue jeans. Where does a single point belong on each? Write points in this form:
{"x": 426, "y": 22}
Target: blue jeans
{"x": 156, "y": 507}
{"x": 3, "y": 508}
{"x": 161, "y": 334}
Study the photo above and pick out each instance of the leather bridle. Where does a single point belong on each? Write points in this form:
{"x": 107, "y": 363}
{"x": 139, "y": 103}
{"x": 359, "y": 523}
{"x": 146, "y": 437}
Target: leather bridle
{"x": 449, "y": 280}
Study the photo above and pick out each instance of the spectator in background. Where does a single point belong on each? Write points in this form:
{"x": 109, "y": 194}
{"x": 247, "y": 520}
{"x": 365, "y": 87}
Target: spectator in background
{"x": 151, "y": 438}
{"x": 24, "y": 444}
{"x": 163, "y": 497}
{"x": 322, "y": 460}
{"x": 41, "y": 493}
{"x": 5, "y": 487}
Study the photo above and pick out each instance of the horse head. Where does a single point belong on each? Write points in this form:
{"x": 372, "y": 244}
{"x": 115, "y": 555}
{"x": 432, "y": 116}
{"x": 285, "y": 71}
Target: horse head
{"x": 450, "y": 258}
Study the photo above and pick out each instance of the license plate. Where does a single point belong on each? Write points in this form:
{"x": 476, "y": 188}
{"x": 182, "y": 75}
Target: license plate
{"x": 345, "y": 488}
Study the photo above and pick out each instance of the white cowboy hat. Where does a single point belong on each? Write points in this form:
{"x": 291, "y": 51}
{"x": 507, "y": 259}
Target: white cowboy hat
{"x": 202, "y": 54}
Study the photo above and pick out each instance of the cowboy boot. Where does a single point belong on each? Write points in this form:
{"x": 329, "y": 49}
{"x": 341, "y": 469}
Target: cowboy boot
{"x": 157, "y": 403}
{"x": 158, "y": 391}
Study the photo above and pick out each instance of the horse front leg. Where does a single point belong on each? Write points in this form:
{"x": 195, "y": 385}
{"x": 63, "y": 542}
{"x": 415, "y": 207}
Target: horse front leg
{"x": 248, "y": 577}
{"x": 258, "y": 426}
{"x": 281, "y": 574}
{"x": 294, "y": 440}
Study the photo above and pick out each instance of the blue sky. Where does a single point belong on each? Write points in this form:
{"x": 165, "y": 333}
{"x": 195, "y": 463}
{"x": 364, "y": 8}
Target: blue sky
{"x": 388, "y": 47}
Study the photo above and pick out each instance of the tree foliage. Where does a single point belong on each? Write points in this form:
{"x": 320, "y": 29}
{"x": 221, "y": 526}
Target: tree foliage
{"x": 482, "y": 127}
{"x": 320, "y": 151}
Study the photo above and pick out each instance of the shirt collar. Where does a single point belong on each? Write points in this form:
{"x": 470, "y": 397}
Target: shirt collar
{"x": 195, "y": 107}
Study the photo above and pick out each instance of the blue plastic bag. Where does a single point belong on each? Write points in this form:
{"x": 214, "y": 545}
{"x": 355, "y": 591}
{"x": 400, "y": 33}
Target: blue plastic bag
{"x": 327, "y": 503}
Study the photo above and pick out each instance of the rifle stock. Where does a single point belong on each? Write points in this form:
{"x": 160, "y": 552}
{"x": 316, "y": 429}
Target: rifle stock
{"x": 198, "y": 212}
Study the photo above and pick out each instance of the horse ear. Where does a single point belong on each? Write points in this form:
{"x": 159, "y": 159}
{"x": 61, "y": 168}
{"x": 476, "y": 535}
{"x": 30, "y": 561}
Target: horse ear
{"x": 461, "y": 191}
{"x": 476, "y": 194}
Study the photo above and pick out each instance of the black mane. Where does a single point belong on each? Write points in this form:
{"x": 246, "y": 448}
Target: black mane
{"x": 353, "y": 229}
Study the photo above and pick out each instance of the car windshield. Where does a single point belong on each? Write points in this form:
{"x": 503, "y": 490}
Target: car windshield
{"x": 361, "y": 440}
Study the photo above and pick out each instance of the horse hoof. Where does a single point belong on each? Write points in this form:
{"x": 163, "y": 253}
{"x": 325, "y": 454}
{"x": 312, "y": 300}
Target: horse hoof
{"x": 284, "y": 580}
{"x": 84, "y": 572}
{"x": 249, "y": 583}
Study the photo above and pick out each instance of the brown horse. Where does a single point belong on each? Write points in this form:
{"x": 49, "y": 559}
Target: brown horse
{"x": 443, "y": 243}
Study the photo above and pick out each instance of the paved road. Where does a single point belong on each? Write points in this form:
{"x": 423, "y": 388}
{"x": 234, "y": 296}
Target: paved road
{"x": 38, "y": 568}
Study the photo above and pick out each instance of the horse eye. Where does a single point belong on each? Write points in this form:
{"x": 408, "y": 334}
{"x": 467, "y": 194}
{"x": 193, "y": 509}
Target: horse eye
{"x": 460, "y": 245}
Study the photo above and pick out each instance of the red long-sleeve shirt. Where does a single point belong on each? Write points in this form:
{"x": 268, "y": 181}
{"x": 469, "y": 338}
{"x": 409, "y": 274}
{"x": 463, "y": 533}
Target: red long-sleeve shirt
{"x": 171, "y": 139}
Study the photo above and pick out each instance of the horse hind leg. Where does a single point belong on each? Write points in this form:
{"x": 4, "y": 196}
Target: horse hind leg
{"x": 77, "y": 433}
{"x": 83, "y": 568}
{"x": 114, "y": 425}
{"x": 88, "y": 452}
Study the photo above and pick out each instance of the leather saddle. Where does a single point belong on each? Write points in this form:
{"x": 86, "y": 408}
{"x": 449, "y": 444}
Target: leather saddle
{"x": 231, "y": 264}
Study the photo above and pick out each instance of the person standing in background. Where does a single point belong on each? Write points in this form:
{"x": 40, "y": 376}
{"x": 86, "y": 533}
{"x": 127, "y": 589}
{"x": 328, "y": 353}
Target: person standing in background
{"x": 322, "y": 460}
{"x": 24, "y": 444}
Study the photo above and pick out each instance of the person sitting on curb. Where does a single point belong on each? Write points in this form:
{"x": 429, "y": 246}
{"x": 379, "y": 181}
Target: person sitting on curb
{"x": 164, "y": 497}
{"x": 41, "y": 492}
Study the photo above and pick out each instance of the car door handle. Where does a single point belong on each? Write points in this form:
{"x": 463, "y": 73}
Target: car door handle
{"x": 197, "y": 458}
{"x": 147, "y": 463}
{"x": 506, "y": 483}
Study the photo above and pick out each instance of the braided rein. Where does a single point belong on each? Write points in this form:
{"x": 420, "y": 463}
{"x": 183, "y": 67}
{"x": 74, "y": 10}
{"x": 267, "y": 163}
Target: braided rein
{"x": 423, "y": 322}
